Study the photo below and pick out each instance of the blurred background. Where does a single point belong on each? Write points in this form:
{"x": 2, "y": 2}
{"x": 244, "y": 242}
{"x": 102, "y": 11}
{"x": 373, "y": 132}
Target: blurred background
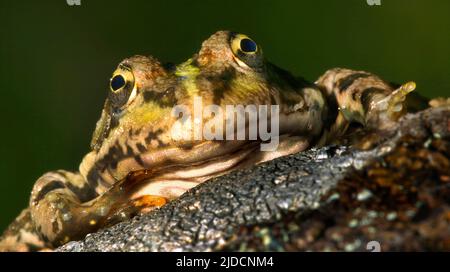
{"x": 56, "y": 60}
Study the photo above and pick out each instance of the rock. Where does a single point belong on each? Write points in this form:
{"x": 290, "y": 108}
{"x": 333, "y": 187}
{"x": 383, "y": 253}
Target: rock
{"x": 394, "y": 194}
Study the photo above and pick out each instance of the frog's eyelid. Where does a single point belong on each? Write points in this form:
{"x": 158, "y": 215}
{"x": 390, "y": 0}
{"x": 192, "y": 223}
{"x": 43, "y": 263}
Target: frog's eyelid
{"x": 123, "y": 87}
{"x": 125, "y": 66}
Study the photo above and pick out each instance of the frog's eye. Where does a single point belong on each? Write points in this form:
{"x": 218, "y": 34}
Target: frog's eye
{"x": 241, "y": 44}
{"x": 122, "y": 86}
{"x": 248, "y": 46}
{"x": 246, "y": 50}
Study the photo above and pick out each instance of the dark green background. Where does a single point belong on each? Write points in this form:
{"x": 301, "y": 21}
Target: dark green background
{"x": 56, "y": 60}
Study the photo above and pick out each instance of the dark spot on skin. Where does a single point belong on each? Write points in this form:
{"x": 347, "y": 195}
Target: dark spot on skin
{"x": 138, "y": 159}
{"x": 43, "y": 237}
{"x": 114, "y": 164}
{"x": 61, "y": 173}
{"x": 114, "y": 155}
{"x": 141, "y": 147}
{"x": 220, "y": 82}
{"x": 137, "y": 131}
{"x": 333, "y": 111}
{"x": 130, "y": 151}
{"x": 186, "y": 146}
{"x": 149, "y": 96}
{"x": 93, "y": 177}
{"x": 55, "y": 227}
{"x": 163, "y": 99}
{"x": 51, "y": 186}
{"x": 153, "y": 135}
{"x": 218, "y": 94}
{"x": 355, "y": 95}
{"x": 347, "y": 81}
{"x": 367, "y": 95}
{"x": 85, "y": 193}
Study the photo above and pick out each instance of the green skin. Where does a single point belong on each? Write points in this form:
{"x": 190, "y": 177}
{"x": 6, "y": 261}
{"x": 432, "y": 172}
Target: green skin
{"x": 135, "y": 164}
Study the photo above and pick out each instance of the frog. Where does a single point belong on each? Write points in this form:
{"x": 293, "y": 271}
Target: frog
{"x": 135, "y": 165}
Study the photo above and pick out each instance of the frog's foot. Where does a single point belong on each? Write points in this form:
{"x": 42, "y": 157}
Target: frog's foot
{"x": 60, "y": 215}
{"x": 384, "y": 111}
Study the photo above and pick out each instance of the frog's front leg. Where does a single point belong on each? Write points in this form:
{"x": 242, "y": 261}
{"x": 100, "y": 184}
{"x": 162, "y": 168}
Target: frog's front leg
{"x": 64, "y": 208}
{"x": 49, "y": 214}
{"x": 364, "y": 98}
{"x": 55, "y": 206}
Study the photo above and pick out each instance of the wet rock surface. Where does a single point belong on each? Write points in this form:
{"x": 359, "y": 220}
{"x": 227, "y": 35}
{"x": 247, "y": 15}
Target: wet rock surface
{"x": 395, "y": 193}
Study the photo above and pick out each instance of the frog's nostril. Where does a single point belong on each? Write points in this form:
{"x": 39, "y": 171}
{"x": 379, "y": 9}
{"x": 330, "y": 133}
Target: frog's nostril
{"x": 117, "y": 82}
{"x": 248, "y": 45}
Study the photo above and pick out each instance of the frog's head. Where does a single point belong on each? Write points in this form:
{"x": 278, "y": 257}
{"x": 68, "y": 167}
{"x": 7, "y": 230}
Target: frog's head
{"x": 232, "y": 68}
{"x": 137, "y": 125}
{"x": 133, "y": 79}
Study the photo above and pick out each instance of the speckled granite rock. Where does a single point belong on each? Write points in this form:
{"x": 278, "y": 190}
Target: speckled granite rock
{"x": 332, "y": 198}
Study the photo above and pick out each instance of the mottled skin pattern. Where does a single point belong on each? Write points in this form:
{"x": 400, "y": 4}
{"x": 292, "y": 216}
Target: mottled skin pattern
{"x": 135, "y": 165}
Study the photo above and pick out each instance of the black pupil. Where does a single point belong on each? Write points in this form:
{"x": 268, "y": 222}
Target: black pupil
{"x": 117, "y": 82}
{"x": 248, "y": 45}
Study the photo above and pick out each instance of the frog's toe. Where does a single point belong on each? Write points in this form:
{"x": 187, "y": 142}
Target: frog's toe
{"x": 388, "y": 109}
{"x": 126, "y": 210}
{"x": 149, "y": 201}
{"x": 395, "y": 102}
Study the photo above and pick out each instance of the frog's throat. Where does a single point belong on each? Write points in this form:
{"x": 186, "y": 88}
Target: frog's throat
{"x": 177, "y": 179}
{"x": 177, "y": 169}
